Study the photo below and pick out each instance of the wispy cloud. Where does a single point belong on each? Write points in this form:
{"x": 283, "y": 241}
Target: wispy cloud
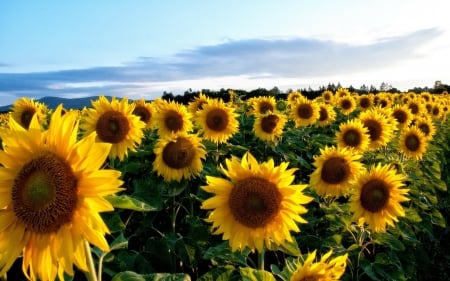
{"x": 252, "y": 58}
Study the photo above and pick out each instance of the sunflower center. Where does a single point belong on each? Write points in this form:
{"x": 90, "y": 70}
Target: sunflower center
{"x": 414, "y": 108}
{"x": 26, "y": 116}
{"x": 44, "y": 193}
{"x": 401, "y": 116}
{"x": 217, "y": 119}
{"x": 254, "y": 202}
{"x": 269, "y": 123}
{"x": 200, "y": 105}
{"x": 424, "y": 128}
{"x": 335, "y": 170}
{"x": 173, "y": 121}
{"x": 112, "y": 127}
{"x": 412, "y": 142}
{"x": 374, "y": 129}
{"x": 264, "y": 107}
{"x": 364, "y": 102}
{"x": 374, "y": 195}
{"x": 304, "y": 111}
{"x": 143, "y": 113}
{"x": 346, "y": 104}
{"x": 323, "y": 114}
{"x": 352, "y": 138}
{"x": 178, "y": 154}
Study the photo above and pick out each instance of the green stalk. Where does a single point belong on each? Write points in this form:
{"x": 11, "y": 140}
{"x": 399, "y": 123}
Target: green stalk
{"x": 90, "y": 275}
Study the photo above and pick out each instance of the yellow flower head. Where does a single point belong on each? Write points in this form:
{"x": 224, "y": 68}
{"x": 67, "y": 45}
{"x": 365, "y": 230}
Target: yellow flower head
{"x": 172, "y": 117}
{"x": 269, "y": 126}
{"x": 257, "y": 205}
{"x": 197, "y": 103}
{"x": 413, "y": 143}
{"x": 51, "y": 193}
{"x": 327, "y": 115}
{"x": 144, "y": 110}
{"x": 323, "y": 270}
{"x": 353, "y": 135}
{"x": 377, "y": 196}
{"x": 262, "y": 105}
{"x": 115, "y": 123}
{"x": 23, "y": 110}
{"x": 304, "y": 112}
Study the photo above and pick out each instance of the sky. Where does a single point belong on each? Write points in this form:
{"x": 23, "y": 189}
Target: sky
{"x": 139, "y": 48}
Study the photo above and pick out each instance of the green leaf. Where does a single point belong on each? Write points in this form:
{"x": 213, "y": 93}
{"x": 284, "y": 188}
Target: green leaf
{"x": 290, "y": 248}
{"x": 128, "y": 276}
{"x": 412, "y": 215}
{"x": 390, "y": 240}
{"x": 221, "y": 273}
{"x": 127, "y": 202}
{"x": 251, "y": 274}
{"x": 437, "y": 218}
{"x": 222, "y": 252}
{"x": 133, "y": 276}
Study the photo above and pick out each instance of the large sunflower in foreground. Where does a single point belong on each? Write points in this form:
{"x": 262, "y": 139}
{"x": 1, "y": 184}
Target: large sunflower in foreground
{"x": 172, "y": 117}
{"x": 377, "y": 196}
{"x": 353, "y": 135}
{"x": 115, "y": 123}
{"x": 324, "y": 270}
{"x": 413, "y": 143}
{"x": 269, "y": 126}
{"x": 217, "y": 121}
{"x": 257, "y": 206}
{"x": 336, "y": 169}
{"x": 23, "y": 110}
{"x": 51, "y": 194}
{"x": 178, "y": 156}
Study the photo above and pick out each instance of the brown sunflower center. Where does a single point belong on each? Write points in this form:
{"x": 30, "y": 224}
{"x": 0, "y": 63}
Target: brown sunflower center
{"x": 173, "y": 121}
{"x": 412, "y": 142}
{"x": 264, "y": 107}
{"x": 400, "y": 116}
{"x": 26, "y": 116}
{"x": 254, "y": 202}
{"x": 374, "y": 128}
{"x": 304, "y": 111}
{"x": 44, "y": 193}
{"x": 424, "y": 128}
{"x": 364, "y": 102}
{"x": 200, "y": 104}
{"x": 335, "y": 170}
{"x": 217, "y": 119}
{"x": 269, "y": 123}
{"x": 112, "y": 127}
{"x": 374, "y": 195}
{"x": 178, "y": 154}
{"x": 383, "y": 103}
{"x": 352, "y": 137}
{"x": 346, "y": 104}
{"x": 323, "y": 114}
{"x": 143, "y": 113}
{"x": 414, "y": 108}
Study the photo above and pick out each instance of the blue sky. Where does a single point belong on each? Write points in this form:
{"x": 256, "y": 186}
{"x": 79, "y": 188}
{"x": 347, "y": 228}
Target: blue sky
{"x": 142, "y": 48}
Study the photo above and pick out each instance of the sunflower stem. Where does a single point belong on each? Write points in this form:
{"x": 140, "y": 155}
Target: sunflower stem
{"x": 90, "y": 275}
{"x": 261, "y": 259}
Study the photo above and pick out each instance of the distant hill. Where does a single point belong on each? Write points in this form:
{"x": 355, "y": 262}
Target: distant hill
{"x": 53, "y": 102}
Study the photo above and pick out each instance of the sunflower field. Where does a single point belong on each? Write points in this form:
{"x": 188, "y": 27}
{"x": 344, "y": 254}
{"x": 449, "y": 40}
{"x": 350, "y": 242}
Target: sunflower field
{"x": 343, "y": 186}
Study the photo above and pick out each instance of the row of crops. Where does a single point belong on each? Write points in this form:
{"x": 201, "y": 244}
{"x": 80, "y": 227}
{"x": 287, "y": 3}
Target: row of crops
{"x": 344, "y": 186}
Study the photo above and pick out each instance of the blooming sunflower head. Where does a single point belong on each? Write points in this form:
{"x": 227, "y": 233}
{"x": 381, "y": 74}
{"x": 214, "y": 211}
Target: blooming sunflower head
{"x": 377, "y": 196}
{"x": 172, "y": 117}
{"x": 305, "y": 112}
{"x": 413, "y": 142}
{"x": 327, "y": 115}
{"x": 346, "y": 104}
{"x": 144, "y": 110}
{"x": 335, "y": 171}
{"x": 426, "y": 125}
{"x": 353, "y": 135}
{"x": 52, "y": 189}
{"x": 114, "y": 122}
{"x": 380, "y": 128}
{"x": 402, "y": 114}
{"x": 257, "y": 205}
{"x": 178, "y": 156}
{"x": 293, "y": 96}
{"x": 262, "y": 105}
{"x": 197, "y": 104}
{"x": 365, "y": 101}
{"x": 217, "y": 121}
{"x": 327, "y": 268}
{"x": 23, "y": 110}
{"x": 269, "y": 126}
{"x": 327, "y": 96}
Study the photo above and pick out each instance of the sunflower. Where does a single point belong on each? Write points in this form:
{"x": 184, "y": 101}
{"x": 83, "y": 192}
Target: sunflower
{"x": 379, "y": 127}
{"x": 377, "y": 196}
{"x": 415, "y": 106}
{"x": 217, "y": 121}
{"x": 305, "y": 112}
{"x": 51, "y": 190}
{"x": 115, "y": 123}
{"x": 269, "y": 126}
{"x": 145, "y": 112}
{"x": 293, "y": 96}
{"x": 262, "y": 105}
{"x": 353, "y": 135}
{"x": 365, "y": 102}
{"x": 413, "y": 142}
{"x": 346, "y": 104}
{"x": 325, "y": 269}
{"x": 197, "y": 104}
{"x": 23, "y": 110}
{"x": 327, "y": 96}
{"x": 402, "y": 114}
{"x": 172, "y": 117}
{"x": 426, "y": 125}
{"x": 179, "y": 156}
{"x": 327, "y": 115}
{"x": 257, "y": 206}
{"x": 335, "y": 171}
{"x": 341, "y": 92}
